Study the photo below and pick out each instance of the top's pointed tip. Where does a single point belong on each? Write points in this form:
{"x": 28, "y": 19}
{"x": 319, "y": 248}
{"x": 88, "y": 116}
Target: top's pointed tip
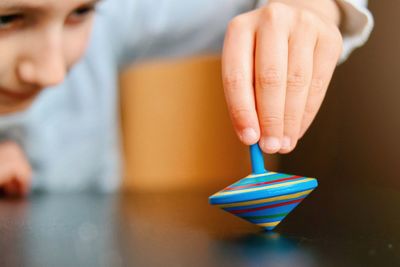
{"x": 269, "y": 228}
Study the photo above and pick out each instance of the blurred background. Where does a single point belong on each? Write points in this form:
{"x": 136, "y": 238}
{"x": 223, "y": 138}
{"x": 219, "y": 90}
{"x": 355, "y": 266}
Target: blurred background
{"x": 355, "y": 138}
{"x": 177, "y": 133}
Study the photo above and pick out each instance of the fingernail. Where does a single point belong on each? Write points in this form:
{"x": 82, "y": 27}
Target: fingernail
{"x": 271, "y": 144}
{"x": 286, "y": 143}
{"x": 249, "y": 135}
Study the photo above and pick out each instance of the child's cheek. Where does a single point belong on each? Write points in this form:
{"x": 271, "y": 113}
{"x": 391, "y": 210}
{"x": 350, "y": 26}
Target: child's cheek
{"x": 76, "y": 42}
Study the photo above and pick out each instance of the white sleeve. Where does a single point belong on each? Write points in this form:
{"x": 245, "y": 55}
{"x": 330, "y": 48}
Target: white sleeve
{"x": 357, "y": 24}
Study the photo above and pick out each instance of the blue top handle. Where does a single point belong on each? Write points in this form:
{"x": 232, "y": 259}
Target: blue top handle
{"x": 257, "y": 160}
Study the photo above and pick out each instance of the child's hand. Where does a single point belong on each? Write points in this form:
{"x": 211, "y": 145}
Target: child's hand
{"x": 15, "y": 171}
{"x": 277, "y": 63}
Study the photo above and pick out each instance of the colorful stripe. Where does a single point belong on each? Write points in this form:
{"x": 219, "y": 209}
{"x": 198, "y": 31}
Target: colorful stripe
{"x": 267, "y": 206}
{"x": 269, "y": 224}
{"x": 265, "y": 200}
{"x": 273, "y": 216}
{"x": 222, "y": 193}
{"x": 262, "y": 183}
{"x": 258, "y": 175}
{"x": 263, "y": 178}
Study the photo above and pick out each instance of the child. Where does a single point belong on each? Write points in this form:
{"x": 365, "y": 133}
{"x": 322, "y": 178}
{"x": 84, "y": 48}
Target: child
{"x": 59, "y": 132}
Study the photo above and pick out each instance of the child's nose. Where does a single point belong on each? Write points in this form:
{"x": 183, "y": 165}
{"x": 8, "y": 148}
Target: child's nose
{"x": 45, "y": 68}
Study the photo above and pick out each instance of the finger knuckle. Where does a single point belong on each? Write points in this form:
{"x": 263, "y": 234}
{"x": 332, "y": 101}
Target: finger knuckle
{"x": 296, "y": 81}
{"x": 334, "y": 34}
{"x": 317, "y": 86}
{"x": 291, "y": 120}
{"x": 305, "y": 17}
{"x": 236, "y": 23}
{"x": 271, "y": 121}
{"x": 270, "y": 79}
{"x": 274, "y": 11}
{"x": 310, "y": 110}
{"x": 240, "y": 114}
{"x": 233, "y": 80}
{"x": 333, "y": 39}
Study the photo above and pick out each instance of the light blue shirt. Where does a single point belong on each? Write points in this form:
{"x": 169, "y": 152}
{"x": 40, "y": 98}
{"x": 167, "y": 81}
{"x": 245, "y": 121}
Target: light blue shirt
{"x": 70, "y": 134}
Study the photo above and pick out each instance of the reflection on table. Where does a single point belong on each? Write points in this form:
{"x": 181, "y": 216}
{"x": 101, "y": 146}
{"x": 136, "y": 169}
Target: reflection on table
{"x": 333, "y": 227}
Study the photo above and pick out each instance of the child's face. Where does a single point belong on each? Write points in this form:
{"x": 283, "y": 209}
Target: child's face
{"x": 39, "y": 41}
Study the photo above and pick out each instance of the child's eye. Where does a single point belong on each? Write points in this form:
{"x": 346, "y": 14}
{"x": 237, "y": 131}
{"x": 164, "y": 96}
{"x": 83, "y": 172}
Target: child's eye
{"x": 81, "y": 13}
{"x": 8, "y": 21}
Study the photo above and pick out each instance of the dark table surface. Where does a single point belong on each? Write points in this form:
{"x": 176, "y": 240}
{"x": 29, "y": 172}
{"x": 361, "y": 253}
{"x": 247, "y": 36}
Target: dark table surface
{"x": 334, "y": 226}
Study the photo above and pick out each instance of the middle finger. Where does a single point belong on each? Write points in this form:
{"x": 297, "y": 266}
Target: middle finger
{"x": 270, "y": 82}
{"x": 300, "y": 67}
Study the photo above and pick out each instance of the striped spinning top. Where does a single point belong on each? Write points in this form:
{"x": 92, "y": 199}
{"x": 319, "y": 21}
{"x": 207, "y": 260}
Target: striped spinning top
{"x": 264, "y": 198}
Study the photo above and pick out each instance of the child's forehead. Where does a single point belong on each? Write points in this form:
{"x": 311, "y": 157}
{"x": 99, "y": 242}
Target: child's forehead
{"x": 42, "y": 4}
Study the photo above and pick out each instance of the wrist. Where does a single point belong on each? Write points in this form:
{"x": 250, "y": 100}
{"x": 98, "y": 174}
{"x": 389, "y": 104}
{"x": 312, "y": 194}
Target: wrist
{"x": 326, "y": 9}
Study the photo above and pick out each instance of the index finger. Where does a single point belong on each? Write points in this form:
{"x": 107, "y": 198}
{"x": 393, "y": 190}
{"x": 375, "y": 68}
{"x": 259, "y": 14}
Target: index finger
{"x": 237, "y": 74}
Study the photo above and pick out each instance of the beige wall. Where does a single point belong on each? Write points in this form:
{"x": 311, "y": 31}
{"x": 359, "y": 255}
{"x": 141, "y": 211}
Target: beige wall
{"x": 177, "y": 130}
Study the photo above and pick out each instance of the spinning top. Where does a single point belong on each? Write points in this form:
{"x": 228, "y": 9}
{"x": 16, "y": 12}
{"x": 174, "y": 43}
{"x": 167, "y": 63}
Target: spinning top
{"x": 264, "y": 198}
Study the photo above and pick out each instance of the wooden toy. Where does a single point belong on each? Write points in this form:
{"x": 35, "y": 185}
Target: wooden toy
{"x": 264, "y": 198}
